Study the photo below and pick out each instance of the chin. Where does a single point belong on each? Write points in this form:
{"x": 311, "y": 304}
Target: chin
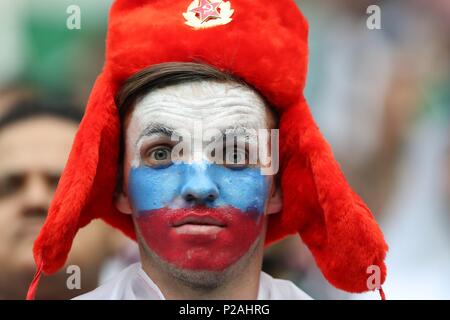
{"x": 202, "y": 279}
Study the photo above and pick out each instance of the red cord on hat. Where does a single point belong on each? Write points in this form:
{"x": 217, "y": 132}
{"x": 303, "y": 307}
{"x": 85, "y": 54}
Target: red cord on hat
{"x": 34, "y": 284}
{"x": 382, "y": 295}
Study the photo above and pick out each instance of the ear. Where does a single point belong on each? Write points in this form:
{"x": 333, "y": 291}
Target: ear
{"x": 275, "y": 201}
{"x": 122, "y": 203}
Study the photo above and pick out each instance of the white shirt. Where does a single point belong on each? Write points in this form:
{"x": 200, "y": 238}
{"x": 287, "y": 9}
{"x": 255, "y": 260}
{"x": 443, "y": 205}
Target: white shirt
{"x": 133, "y": 283}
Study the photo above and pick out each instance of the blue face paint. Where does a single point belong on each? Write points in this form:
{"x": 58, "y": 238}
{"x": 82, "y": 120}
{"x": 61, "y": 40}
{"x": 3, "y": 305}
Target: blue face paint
{"x": 155, "y": 188}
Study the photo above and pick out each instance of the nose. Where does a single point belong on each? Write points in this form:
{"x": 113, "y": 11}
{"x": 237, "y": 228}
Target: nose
{"x": 199, "y": 188}
{"x": 36, "y": 196}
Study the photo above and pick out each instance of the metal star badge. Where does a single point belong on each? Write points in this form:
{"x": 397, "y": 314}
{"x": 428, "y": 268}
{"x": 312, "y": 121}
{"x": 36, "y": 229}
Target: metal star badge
{"x": 208, "y": 13}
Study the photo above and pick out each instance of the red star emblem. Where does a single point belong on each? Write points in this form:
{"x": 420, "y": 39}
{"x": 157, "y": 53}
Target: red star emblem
{"x": 207, "y": 9}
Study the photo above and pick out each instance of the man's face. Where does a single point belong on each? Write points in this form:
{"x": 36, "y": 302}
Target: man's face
{"x": 32, "y": 156}
{"x": 191, "y": 211}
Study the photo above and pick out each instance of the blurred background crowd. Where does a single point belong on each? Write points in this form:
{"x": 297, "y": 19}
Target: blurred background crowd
{"x": 381, "y": 97}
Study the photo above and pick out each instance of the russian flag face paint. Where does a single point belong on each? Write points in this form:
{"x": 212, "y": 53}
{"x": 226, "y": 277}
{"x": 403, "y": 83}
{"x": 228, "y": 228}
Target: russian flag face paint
{"x": 195, "y": 215}
{"x": 210, "y": 233}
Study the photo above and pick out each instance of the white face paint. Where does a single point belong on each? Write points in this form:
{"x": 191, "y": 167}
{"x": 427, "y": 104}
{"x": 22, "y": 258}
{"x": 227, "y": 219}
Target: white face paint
{"x": 213, "y": 105}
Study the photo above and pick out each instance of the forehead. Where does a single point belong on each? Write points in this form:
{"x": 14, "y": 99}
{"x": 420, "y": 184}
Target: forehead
{"x": 42, "y": 142}
{"x": 215, "y": 104}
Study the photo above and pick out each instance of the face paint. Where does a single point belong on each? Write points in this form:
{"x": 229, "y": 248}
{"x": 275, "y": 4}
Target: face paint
{"x": 196, "y": 215}
{"x": 217, "y": 106}
{"x": 209, "y": 233}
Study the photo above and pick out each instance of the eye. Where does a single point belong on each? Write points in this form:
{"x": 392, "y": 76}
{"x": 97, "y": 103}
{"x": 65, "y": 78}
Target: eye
{"x": 235, "y": 158}
{"x": 11, "y": 184}
{"x": 52, "y": 180}
{"x": 158, "y": 156}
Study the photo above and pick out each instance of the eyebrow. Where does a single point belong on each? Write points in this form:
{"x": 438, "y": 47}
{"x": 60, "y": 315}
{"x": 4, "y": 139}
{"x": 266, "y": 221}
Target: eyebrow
{"x": 238, "y": 131}
{"x": 155, "y": 129}
{"x": 162, "y": 130}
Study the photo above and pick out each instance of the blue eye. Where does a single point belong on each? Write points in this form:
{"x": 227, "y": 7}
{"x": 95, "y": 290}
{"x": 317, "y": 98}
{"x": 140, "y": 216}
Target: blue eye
{"x": 158, "y": 156}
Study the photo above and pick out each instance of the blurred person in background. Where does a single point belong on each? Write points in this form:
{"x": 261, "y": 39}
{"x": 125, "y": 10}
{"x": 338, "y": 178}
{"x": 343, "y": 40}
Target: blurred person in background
{"x": 418, "y": 224}
{"x": 354, "y": 86}
{"x": 372, "y": 92}
{"x": 35, "y": 140}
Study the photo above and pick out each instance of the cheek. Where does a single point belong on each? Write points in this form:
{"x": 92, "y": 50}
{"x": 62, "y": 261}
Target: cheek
{"x": 246, "y": 190}
{"x": 242, "y": 195}
{"x": 151, "y": 189}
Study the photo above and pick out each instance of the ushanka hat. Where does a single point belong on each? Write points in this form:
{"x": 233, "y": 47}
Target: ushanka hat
{"x": 265, "y": 44}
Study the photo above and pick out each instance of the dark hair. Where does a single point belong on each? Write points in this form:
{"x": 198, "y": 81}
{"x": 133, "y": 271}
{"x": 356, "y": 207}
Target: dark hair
{"x": 34, "y": 107}
{"x": 164, "y": 75}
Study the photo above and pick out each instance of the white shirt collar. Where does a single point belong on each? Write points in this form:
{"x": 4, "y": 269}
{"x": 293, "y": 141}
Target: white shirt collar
{"x": 133, "y": 283}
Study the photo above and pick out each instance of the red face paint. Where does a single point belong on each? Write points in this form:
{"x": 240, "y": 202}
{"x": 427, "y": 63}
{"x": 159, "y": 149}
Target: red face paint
{"x": 202, "y": 238}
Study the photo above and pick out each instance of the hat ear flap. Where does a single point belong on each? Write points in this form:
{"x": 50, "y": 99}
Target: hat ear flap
{"x": 86, "y": 177}
{"x": 330, "y": 217}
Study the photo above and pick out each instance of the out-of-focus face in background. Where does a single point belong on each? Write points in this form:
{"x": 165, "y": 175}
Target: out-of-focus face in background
{"x": 33, "y": 153}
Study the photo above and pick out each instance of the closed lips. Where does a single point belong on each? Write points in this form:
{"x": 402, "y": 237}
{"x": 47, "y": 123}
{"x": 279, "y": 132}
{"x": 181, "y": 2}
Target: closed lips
{"x": 199, "y": 220}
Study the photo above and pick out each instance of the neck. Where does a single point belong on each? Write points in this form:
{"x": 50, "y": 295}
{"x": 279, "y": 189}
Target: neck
{"x": 241, "y": 281}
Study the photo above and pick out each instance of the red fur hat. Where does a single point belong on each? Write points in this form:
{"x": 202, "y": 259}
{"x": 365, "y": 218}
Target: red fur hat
{"x": 265, "y": 44}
